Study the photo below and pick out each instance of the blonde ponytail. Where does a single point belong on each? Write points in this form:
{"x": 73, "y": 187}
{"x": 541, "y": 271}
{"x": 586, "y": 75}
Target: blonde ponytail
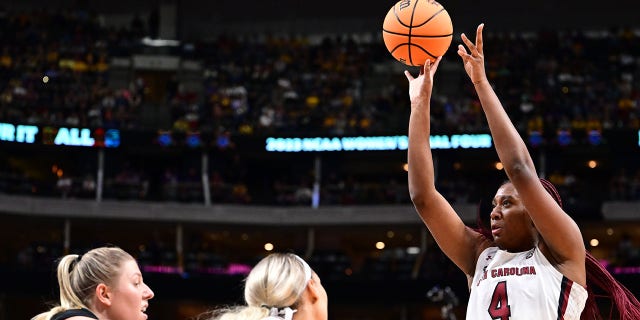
{"x": 240, "y": 313}
{"x": 78, "y": 277}
{"x": 68, "y": 297}
{"x": 276, "y": 283}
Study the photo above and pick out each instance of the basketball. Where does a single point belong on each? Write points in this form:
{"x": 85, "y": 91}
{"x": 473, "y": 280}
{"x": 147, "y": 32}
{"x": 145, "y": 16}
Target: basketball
{"x": 416, "y": 30}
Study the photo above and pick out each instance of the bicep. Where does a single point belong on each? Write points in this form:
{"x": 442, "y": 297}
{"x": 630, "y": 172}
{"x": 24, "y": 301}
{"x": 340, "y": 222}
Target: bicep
{"x": 559, "y": 231}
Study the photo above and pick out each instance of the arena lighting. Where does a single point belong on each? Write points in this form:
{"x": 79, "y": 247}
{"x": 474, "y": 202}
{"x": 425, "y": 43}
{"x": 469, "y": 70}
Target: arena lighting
{"x": 19, "y": 133}
{"x": 164, "y": 138}
{"x": 74, "y": 137}
{"x": 374, "y": 143}
{"x": 193, "y": 139}
{"x": 112, "y": 138}
{"x": 595, "y": 137}
{"x": 535, "y": 138}
{"x": 231, "y": 269}
{"x": 564, "y": 137}
{"x": 626, "y": 270}
{"x": 82, "y": 137}
{"x": 160, "y": 42}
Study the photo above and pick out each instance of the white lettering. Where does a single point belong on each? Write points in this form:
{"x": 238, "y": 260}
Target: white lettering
{"x": 7, "y": 132}
{"x": 74, "y": 137}
{"x": 373, "y": 143}
{"x": 26, "y": 133}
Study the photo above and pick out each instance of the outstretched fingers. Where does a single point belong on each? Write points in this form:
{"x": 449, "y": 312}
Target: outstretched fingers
{"x": 423, "y": 68}
{"x": 428, "y": 68}
{"x": 408, "y": 75}
{"x": 479, "y": 42}
{"x": 475, "y": 49}
{"x": 462, "y": 51}
{"x": 411, "y": 77}
{"x": 434, "y": 66}
{"x": 472, "y": 47}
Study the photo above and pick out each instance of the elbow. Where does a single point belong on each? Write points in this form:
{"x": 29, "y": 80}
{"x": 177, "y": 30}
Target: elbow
{"x": 520, "y": 170}
{"x": 420, "y": 198}
{"x": 417, "y": 198}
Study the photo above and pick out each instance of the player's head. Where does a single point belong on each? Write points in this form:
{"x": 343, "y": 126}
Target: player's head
{"x": 284, "y": 280}
{"x": 511, "y": 227}
{"x": 105, "y": 280}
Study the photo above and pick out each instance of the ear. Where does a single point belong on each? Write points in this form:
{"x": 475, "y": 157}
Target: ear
{"x": 103, "y": 294}
{"x": 313, "y": 290}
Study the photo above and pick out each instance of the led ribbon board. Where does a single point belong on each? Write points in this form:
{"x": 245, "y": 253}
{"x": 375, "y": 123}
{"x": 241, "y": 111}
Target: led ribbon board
{"x": 374, "y": 143}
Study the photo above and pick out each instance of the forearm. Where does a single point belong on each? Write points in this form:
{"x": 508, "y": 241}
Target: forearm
{"x": 457, "y": 241}
{"x": 510, "y": 147}
{"x": 421, "y": 173}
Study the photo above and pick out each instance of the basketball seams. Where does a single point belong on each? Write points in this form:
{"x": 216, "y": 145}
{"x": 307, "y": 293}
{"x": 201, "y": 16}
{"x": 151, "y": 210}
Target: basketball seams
{"x": 429, "y": 19}
{"x": 409, "y": 50}
{"x": 408, "y": 42}
{"x": 409, "y": 26}
{"x": 424, "y": 50}
{"x": 418, "y": 35}
{"x": 411, "y": 44}
{"x": 432, "y": 36}
{"x": 413, "y": 12}
{"x": 395, "y": 12}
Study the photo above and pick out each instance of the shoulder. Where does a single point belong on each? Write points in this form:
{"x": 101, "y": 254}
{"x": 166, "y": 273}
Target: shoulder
{"x": 574, "y": 271}
{"x": 484, "y": 245}
{"x": 487, "y": 253}
{"x": 75, "y": 314}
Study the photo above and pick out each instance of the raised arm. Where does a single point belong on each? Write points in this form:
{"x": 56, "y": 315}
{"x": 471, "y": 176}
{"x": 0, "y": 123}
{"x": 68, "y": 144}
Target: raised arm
{"x": 458, "y": 242}
{"x": 560, "y": 234}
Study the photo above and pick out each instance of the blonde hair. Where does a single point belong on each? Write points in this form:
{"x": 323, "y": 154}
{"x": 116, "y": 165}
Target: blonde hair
{"x": 240, "y": 313}
{"x": 78, "y": 277}
{"x": 277, "y": 281}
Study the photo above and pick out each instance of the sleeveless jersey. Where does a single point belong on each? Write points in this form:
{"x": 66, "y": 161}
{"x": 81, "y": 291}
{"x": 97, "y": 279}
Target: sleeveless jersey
{"x": 522, "y": 285}
{"x": 74, "y": 313}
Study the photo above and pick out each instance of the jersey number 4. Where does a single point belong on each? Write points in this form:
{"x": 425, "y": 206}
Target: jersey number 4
{"x": 499, "y": 307}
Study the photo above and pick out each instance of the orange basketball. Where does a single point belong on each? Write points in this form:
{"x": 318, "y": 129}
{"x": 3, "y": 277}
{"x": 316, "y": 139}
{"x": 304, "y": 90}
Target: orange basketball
{"x": 417, "y": 30}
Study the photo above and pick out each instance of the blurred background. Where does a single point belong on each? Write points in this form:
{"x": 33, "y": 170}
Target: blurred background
{"x": 200, "y": 136}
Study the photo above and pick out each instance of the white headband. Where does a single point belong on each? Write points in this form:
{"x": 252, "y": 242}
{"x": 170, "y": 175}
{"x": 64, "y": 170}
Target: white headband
{"x": 307, "y": 269}
{"x": 287, "y": 313}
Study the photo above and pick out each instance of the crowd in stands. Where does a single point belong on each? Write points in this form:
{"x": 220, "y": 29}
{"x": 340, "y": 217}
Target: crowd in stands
{"x": 625, "y": 185}
{"x": 288, "y": 85}
{"x": 575, "y": 80}
{"x": 55, "y": 70}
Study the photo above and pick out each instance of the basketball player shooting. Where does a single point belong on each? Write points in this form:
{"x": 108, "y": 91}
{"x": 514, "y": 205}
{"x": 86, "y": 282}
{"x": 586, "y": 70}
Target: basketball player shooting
{"x": 532, "y": 264}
